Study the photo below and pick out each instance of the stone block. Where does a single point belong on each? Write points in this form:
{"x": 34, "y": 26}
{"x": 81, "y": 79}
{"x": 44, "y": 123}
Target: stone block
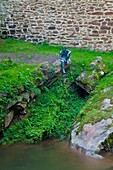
{"x": 8, "y": 119}
{"x": 88, "y": 81}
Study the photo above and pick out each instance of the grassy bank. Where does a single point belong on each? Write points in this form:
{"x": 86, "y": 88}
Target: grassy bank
{"x": 51, "y": 115}
{"x": 54, "y": 110}
{"x": 93, "y": 110}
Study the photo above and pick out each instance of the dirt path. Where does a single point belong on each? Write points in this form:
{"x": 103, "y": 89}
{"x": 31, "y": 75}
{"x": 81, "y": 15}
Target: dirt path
{"x": 29, "y": 58}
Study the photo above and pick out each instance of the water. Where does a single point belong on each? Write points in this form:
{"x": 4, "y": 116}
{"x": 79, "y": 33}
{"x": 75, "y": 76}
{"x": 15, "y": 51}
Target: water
{"x": 49, "y": 155}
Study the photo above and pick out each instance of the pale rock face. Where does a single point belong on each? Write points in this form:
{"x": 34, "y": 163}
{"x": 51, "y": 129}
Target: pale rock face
{"x": 91, "y": 137}
{"x": 106, "y": 89}
{"x": 106, "y": 104}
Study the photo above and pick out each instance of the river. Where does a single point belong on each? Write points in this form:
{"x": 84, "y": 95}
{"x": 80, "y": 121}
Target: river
{"x": 50, "y": 155}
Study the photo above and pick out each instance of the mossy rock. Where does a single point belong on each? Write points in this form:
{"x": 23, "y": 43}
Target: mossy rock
{"x": 92, "y": 78}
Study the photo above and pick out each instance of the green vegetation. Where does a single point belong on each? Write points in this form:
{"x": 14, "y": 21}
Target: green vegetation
{"x": 54, "y": 110}
{"x": 15, "y": 46}
{"x": 14, "y": 79}
{"x": 14, "y": 75}
{"x": 80, "y": 57}
{"x": 51, "y": 115}
{"x": 93, "y": 111}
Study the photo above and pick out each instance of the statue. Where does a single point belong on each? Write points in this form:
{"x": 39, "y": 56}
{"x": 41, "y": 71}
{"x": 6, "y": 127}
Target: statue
{"x": 64, "y": 58}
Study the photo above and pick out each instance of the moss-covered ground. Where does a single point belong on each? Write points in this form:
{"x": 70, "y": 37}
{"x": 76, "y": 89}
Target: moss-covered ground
{"x": 54, "y": 110}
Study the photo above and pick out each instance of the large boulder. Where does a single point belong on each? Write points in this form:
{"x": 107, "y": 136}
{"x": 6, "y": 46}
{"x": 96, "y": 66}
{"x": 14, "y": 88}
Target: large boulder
{"x": 93, "y": 138}
{"x": 50, "y": 71}
{"x": 88, "y": 80}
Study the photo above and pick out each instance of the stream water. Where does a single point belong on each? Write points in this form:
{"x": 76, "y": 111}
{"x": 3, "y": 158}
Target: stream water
{"x": 50, "y": 155}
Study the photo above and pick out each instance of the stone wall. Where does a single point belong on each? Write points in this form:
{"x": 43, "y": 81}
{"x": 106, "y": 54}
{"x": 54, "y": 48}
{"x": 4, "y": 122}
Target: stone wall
{"x": 78, "y": 23}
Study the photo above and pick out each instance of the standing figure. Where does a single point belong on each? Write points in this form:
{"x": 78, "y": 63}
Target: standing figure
{"x": 64, "y": 58}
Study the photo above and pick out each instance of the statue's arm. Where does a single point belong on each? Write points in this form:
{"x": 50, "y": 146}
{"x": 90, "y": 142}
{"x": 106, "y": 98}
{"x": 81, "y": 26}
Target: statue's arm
{"x": 68, "y": 55}
{"x": 60, "y": 55}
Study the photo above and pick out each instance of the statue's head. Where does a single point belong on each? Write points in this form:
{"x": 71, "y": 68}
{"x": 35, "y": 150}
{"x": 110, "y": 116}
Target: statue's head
{"x": 63, "y": 48}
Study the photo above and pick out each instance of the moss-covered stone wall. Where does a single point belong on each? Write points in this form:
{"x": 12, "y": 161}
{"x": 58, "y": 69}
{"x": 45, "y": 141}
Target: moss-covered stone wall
{"x": 79, "y": 23}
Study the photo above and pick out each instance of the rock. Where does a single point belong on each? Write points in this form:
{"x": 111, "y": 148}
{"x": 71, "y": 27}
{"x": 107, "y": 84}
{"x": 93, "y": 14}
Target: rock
{"x": 92, "y": 137}
{"x": 20, "y": 108}
{"x": 17, "y": 107}
{"x": 106, "y": 104}
{"x": 22, "y": 97}
{"x": 106, "y": 89}
{"x": 50, "y": 72}
{"x": 97, "y": 63}
{"x": 45, "y": 68}
{"x": 88, "y": 82}
{"x": 57, "y": 66}
{"x": 9, "y": 118}
{"x": 25, "y": 97}
{"x": 32, "y": 95}
{"x": 53, "y": 68}
{"x": 11, "y": 104}
{"x": 93, "y": 155}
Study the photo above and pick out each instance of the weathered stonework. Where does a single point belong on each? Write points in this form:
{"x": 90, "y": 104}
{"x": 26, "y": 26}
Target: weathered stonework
{"x": 78, "y": 23}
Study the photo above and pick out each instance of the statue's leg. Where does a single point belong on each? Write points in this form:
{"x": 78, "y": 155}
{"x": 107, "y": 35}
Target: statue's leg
{"x": 63, "y": 67}
{"x": 68, "y": 61}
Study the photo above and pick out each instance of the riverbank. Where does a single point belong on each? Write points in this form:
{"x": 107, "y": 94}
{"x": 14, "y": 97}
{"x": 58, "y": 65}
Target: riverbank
{"x": 54, "y": 110}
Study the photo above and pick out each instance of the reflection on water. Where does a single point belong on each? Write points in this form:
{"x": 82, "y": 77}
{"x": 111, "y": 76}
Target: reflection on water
{"x": 49, "y": 155}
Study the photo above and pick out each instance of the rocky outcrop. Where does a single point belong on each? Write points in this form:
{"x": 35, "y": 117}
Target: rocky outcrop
{"x": 48, "y": 72}
{"x": 17, "y": 107}
{"x": 87, "y": 80}
{"x": 93, "y": 138}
